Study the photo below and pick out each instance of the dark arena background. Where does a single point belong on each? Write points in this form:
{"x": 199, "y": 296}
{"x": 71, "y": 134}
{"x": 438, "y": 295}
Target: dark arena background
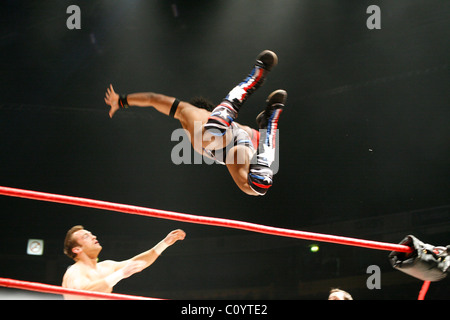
{"x": 364, "y": 146}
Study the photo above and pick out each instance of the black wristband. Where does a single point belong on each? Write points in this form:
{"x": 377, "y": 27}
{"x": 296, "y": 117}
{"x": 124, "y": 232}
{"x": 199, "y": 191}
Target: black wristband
{"x": 174, "y": 107}
{"x": 123, "y": 102}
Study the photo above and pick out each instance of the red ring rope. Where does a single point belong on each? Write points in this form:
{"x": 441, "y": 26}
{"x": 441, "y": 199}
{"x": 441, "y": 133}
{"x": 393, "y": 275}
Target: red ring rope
{"x": 423, "y": 290}
{"x": 201, "y": 219}
{"x": 46, "y": 288}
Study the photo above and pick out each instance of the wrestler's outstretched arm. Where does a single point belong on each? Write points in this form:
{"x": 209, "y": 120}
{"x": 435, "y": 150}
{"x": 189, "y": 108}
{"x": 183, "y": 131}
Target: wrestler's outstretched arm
{"x": 126, "y": 268}
{"x": 148, "y": 257}
{"x": 187, "y": 114}
{"x": 160, "y": 102}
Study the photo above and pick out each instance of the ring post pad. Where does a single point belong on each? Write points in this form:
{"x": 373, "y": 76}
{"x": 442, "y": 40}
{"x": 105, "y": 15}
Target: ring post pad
{"x": 426, "y": 262}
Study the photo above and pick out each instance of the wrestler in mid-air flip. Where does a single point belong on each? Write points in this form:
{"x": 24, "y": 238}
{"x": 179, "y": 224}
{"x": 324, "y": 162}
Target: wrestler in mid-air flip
{"x": 247, "y": 153}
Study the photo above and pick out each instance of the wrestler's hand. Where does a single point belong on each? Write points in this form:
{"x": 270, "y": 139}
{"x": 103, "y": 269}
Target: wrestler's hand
{"x": 174, "y": 236}
{"x": 112, "y": 99}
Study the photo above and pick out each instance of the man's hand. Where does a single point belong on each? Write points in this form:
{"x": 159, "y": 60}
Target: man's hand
{"x": 174, "y": 236}
{"x": 112, "y": 99}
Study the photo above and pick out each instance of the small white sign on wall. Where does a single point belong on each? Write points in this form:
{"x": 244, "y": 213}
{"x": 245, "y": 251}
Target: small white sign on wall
{"x": 35, "y": 247}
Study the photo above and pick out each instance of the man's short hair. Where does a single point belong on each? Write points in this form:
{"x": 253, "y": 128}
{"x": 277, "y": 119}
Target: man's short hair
{"x": 70, "y": 242}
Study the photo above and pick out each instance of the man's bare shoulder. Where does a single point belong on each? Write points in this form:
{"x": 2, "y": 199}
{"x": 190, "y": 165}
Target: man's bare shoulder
{"x": 75, "y": 268}
{"x": 73, "y": 271}
{"x": 108, "y": 266}
{"x": 107, "y": 263}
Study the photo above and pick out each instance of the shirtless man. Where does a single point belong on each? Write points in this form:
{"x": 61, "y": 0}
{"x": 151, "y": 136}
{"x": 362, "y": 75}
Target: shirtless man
{"x": 89, "y": 274}
{"x": 247, "y": 153}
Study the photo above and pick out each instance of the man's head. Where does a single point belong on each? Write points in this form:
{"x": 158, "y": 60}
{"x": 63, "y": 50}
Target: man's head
{"x": 78, "y": 241}
{"x": 338, "y": 294}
